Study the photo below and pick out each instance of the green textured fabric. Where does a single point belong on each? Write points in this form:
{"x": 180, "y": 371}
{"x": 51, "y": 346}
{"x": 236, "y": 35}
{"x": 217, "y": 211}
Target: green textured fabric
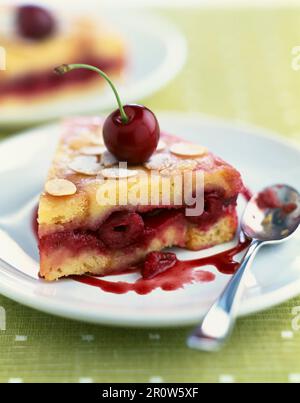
{"x": 239, "y": 67}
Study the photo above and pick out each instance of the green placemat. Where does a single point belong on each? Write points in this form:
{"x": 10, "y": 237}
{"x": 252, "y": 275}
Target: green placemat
{"x": 239, "y": 67}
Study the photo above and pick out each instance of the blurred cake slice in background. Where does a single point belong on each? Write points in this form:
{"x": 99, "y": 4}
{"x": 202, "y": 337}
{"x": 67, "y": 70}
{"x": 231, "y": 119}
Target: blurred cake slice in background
{"x": 36, "y": 40}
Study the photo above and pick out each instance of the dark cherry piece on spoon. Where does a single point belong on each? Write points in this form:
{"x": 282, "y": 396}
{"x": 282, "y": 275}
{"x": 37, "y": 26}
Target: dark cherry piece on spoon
{"x": 34, "y": 22}
{"x": 131, "y": 133}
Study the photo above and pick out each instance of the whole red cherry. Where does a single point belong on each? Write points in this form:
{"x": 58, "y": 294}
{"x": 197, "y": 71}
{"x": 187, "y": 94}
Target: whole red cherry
{"x": 131, "y": 133}
{"x": 136, "y": 139}
{"x": 157, "y": 263}
{"x": 121, "y": 229}
{"x": 34, "y": 22}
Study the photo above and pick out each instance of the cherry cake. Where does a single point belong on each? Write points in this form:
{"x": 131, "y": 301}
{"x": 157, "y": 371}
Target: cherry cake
{"x": 79, "y": 235}
{"x": 37, "y": 39}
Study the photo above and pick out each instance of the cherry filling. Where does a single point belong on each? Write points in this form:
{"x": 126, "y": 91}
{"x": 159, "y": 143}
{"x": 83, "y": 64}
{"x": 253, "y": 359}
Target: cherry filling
{"x": 125, "y": 229}
{"x": 75, "y": 241}
{"x": 37, "y": 82}
{"x": 121, "y": 229}
{"x": 215, "y": 206}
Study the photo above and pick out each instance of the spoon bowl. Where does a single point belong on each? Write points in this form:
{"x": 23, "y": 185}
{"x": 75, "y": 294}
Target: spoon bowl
{"x": 272, "y": 215}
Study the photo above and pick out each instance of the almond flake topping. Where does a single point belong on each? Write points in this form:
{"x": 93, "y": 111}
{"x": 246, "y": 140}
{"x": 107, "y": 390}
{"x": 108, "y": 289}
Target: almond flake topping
{"x": 95, "y": 150}
{"x": 160, "y": 161}
{"x": 188, "y": 150}
{"x": 179, "y": 167}
{"x": 118, "y": 173}
{"x": 108, "y": 160}
{"x": 60, "y": 187}
{"x": 170, "y": 172}
{"x": 86, "y": 165}
{"x": 186, "y": 165}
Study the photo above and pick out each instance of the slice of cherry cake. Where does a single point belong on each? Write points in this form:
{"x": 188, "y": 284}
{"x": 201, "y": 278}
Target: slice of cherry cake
{"x": 78, "y": 233}
{"x": 37, "y": 39}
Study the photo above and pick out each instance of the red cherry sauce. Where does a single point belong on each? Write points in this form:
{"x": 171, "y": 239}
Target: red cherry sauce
{"x": 247, "y": 194}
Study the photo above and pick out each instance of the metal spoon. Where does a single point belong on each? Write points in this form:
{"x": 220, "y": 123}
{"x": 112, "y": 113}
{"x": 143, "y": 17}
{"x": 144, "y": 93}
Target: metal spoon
{"x": 271, "y": 217}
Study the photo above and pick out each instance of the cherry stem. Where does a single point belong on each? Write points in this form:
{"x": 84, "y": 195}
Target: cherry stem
{"x": 65, "y": 68}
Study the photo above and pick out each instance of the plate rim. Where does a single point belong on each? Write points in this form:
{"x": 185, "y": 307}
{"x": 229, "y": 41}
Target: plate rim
{"x": 249, "y": 306}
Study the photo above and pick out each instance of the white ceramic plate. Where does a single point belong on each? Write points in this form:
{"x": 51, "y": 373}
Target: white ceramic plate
{"x": 157, "y": 52}
{"x": 262, "y": 158}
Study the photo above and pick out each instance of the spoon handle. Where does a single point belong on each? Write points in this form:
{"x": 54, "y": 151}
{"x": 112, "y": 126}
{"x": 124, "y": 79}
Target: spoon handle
{"x": 219, "y": 321}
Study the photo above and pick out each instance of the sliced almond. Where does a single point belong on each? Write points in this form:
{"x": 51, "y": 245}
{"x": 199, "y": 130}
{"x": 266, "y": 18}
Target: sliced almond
{"x": 60, "y": 187}
{"x": 185, "y": 165}
{"x": 108, "y": 160}
{"x": 178, "y": 167}
{"x": 85, "y": 165}
{"x": 94, "y": 150}
{"x": 188, "y": 150}
{"x": 118, "y": 173}
{"x": 161, "y": 145}
{"x": 170, "y": 172}
{"x": 159, "y": 161}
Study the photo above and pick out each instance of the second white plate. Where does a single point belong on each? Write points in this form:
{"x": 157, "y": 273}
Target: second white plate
{"x": 157, "y": 52}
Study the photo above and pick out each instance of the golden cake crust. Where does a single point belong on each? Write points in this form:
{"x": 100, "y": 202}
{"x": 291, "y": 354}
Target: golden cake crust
{"x": 83, "y": 209}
